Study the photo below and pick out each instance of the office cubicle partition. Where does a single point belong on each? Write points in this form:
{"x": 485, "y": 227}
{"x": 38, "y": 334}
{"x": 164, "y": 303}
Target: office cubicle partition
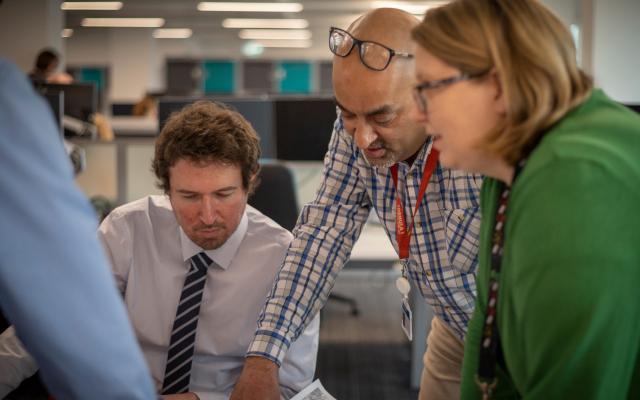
{"x": 80, "y": 99}
{"x": 303, "y": 127}
{"x": 293, "y": 129}
{"x": 258, "y": 112}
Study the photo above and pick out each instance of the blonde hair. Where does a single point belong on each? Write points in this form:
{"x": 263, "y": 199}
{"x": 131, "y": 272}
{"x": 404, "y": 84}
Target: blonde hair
{"x": 532, "y": 53}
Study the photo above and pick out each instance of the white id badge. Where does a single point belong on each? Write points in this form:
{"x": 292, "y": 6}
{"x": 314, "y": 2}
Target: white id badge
{"x": 407, "y": 318}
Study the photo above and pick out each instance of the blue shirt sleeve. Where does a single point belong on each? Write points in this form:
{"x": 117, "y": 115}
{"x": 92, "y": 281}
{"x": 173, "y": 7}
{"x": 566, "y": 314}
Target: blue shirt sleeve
{"x": 55, "y": 285}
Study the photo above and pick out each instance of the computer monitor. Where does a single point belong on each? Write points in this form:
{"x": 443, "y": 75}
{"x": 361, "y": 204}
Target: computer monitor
{"x": 80, "y": 99}
{"x": 258, "y": 112}
{"x": 303, "y": 127}
{"x": 634, "y": 107}
{"x": 56, "y": 102}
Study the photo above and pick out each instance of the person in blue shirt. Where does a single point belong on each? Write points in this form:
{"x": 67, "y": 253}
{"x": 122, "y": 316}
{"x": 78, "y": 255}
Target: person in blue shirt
{"x": 55, "y": 286}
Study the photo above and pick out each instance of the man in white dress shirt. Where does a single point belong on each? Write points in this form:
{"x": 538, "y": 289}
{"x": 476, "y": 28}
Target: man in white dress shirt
{"x": 206, "y": 161}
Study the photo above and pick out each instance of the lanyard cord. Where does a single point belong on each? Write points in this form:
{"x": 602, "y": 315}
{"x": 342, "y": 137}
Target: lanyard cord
{"x": 403, "y": 233}
{"x": 490, "y": 341}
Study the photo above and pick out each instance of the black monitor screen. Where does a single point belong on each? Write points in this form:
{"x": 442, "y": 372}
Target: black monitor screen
{"x": 634, "y": 107}
{"x": 80, "y": 99}
{"x": 258, "y": 112}
{"x": 303, "y": 127}
{"x": 56, "y": 102}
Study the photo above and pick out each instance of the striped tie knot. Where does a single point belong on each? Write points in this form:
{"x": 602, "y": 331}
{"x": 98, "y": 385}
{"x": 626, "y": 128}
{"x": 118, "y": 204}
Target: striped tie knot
{"x": 183, "y": 335}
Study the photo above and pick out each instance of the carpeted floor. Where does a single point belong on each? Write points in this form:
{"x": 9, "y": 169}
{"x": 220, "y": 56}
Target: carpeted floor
{"x": 365, "y": 357}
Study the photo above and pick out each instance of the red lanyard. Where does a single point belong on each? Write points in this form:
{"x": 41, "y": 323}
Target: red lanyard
{"x": 403, "y": 234}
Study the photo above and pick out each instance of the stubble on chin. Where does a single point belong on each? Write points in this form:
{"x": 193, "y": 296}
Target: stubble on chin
{"x": 385, "y": 162}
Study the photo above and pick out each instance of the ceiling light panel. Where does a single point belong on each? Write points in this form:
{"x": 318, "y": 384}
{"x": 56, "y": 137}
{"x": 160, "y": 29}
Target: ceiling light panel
{"x": 248, "y": 23}
{"x": 274, "y": 34}
{"x": 123, "y": 22}
{"x": 300, "y": 44}
{"x": 91, "y": 5}
{"x": 249, "y": 7}
{"x": 172, "y": 33}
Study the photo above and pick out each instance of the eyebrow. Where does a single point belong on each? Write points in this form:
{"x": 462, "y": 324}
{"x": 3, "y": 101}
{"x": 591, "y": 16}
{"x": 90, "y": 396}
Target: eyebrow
{"x": 385, "y": 109}
{"x": 224, "y": 189}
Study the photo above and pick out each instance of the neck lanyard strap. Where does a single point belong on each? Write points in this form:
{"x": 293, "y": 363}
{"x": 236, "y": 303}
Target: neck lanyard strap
{"x": 490, "y": 341}
{"x": 403, "y": 233}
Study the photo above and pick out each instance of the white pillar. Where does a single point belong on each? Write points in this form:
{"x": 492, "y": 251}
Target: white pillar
{"x": 26, "y": 27}
{"x": 132, "y": 52}
{"x": 616, "y": 52}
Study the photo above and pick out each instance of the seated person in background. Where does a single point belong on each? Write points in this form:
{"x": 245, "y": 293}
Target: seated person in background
{"x": 195, "y": 265}
{"x": 147, "y": 107}
{"x": 44, "y": 71}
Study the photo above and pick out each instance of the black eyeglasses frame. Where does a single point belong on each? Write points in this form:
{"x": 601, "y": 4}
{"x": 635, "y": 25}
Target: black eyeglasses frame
{"x": 359, "y": 43}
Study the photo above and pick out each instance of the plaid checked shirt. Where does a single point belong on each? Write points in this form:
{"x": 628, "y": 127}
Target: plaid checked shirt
{"x": 443, "y": 250}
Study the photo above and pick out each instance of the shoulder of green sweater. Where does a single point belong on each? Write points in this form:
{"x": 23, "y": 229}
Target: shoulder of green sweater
{"x": 599, "y": 132}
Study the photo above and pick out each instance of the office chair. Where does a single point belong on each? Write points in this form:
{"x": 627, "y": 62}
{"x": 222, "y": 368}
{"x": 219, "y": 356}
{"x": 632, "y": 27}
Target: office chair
{"x": 275, "y": 197}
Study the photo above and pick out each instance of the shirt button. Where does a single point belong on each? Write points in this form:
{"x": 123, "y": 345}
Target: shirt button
{"x": 429, "y": 273}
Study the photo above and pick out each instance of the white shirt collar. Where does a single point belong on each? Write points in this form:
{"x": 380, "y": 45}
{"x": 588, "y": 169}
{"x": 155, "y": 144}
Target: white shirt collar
{"x": 224, "y": 254}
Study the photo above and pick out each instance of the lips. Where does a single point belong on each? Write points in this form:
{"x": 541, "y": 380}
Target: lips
{"x": 209, "y": 232}
{"x": 373, "y": 153}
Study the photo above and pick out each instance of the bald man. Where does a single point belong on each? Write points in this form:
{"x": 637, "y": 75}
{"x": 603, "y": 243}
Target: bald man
{"x": 378, "y": 158}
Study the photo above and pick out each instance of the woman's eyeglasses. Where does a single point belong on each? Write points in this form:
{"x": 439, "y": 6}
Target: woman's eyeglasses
{"x": 419, "y": 91}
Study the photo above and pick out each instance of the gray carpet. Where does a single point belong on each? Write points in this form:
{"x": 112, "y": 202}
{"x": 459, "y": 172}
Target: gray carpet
{"x": 365, "y": 356}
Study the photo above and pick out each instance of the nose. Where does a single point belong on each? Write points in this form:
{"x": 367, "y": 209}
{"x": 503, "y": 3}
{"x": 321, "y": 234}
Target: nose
{"x": 363, "y": 134}
{"x": 208, "y": 212}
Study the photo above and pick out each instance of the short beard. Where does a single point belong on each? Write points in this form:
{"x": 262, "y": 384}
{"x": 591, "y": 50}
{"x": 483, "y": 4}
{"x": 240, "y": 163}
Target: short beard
{"x": 383, "y": 163}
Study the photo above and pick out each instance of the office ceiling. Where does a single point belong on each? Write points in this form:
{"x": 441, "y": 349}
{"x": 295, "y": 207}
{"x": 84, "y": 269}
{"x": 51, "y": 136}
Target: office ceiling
{"x": 184, "y": 13}
{"x": 321, "y": 14}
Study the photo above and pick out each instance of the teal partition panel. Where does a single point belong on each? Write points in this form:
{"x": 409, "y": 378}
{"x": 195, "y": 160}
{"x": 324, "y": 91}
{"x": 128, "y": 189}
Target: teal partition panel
{"x": 297, "y": 77}
{"x": 218, "y": 77}
{"x": 93, "y": 75}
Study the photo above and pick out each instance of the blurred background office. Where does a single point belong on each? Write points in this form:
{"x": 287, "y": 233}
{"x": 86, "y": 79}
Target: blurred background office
{"x": 136, "y": 61}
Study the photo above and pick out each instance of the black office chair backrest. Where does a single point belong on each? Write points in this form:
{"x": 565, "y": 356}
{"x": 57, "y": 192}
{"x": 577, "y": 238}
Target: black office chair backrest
{"x": 275, "y": 197}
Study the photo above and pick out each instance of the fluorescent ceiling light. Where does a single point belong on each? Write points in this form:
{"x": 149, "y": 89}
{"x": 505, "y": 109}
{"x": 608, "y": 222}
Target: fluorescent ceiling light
{"x": 412, "y": 8}
{"x": 274, "y": 34}
{"x": 265, "y": 23}
{"x": 91, "y": 5}
{"x": 284, "y": 43}
{"x": 249, "y": 7}
{"x": 123, "y": 22}
{"x": 67, "y": 33}
{"x": 172, "y": 33}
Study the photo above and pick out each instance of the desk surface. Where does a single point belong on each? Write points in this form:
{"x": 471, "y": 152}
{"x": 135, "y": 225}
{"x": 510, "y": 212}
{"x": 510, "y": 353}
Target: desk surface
{"x": 373, "y": 245}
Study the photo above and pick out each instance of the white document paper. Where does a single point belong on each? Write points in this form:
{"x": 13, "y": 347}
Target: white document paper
{"x": 315, "y": 391}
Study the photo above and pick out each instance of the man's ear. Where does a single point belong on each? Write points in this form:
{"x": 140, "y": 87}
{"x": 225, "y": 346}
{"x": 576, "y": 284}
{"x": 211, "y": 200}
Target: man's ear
{"x": 500, "y": 99}
{"x": 254, "y": 180}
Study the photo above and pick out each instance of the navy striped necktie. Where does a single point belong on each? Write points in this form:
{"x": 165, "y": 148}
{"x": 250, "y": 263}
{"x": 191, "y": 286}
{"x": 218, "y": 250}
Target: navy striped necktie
{"x": 177, "y": 372}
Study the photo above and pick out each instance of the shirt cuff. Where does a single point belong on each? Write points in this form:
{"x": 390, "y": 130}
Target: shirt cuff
{"x": 270, "y": 345}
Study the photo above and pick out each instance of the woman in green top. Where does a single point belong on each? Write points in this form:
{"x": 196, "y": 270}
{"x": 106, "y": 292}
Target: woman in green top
{"x": 558, "y": 308}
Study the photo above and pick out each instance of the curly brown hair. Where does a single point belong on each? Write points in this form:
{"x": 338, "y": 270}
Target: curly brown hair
{"x": 207, "y": 132}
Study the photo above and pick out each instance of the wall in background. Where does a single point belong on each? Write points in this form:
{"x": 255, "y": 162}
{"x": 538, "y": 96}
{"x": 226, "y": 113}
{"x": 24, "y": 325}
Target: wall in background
{"x": 26, "y": 27}
{"x": 616, "y": 56}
